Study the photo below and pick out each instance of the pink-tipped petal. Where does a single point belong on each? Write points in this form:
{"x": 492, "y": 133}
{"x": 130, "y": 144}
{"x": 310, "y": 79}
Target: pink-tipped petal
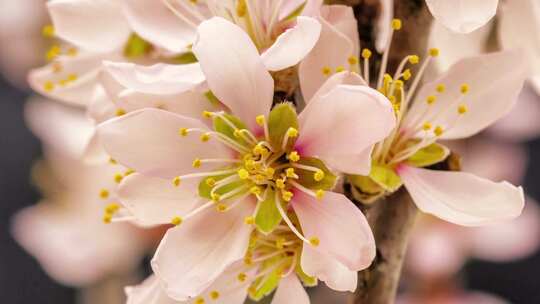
{"x": 462, "y": 198}
{"x": 463, "y": 16}
{"x": 234, "y": 71}
{"x": 158, "y": 79}
{"x": 341, "y": 228}
{"x": 290, "y": 290}
{"x": 194, "y": 254}
{"x": 331, "y": 127}
{"x": 292, "y": 45}
{"x": 154, "y": 201}
{"x": 149, "y": 142}
{"x": 94, "y": 25}
{"x": 333, "y": 273}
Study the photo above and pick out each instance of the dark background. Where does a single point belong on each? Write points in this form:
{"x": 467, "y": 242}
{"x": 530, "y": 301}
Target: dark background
{"x": 23, "y": 282}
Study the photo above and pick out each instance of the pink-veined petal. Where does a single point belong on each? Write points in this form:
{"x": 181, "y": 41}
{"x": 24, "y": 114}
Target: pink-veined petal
{"x": 292, "y": 45}
{"x": 290, "y": 290}
{"x": 149, "y": 142}
{"x": 337, "y": 124}
{"x": 333, "y": 273}
{"x": 158, "y": 79}
{"x": 194, "y": 254}
{"x": 94, "y": 25}
{"x": 234, "y": 71}
{"x": 341, "y": 228}
{"x": 462, "y": 198}
{"x": 463, "y": 16}
{"x": 154, "y": 201}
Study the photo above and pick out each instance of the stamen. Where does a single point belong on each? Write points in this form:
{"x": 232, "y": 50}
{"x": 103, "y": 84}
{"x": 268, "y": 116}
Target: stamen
{"x": 287, "y": 220}
{"x": 396, "y": 26}
{"x": 291, "y": 133}
{"x": 366, "y": 54}
{"x": 176, "y": 221}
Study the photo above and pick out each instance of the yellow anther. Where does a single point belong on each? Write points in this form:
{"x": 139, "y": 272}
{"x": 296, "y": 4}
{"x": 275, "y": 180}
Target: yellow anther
{"x": 280, "y": 183}
{"x": 211, "y": 182}
{"x": 104, "y": 193}
{"x": 280, "y": 242}
{"x": 438, "y": 131}
{"x": 293, "y": 156}
{"x": 387, "y": 78}
{"x": 112, "y": 161}
{"x": 270, "y": 172}
{"x": 242, "y": 277}
{"x": 290, "y": 172}
{"x": 196, "y": 163}
{"x": 259, "y": 178}
{"x": 48, "y": 31}
{"x": 414, "y": 59}
{"x": 366, "y": 53}
{"x": 176, "y": 181}
{"x": 431, "y": 99}
{"x": 434, "y": 52}
{"x": 243, "y": 173}
{"x": 241, "y": 8}
{"x": 260, "y": 120}
{"x": 72, "y": 52}
{"x": 214, "y": 295}
{"x": 128, "y": 172}
{"x": 183, "y": 131}
{"x": 396, "y": 24}
{"x": 318, "y": 175}
{"x": 176, "y": 220}
{"x": 462, "y": 109}
{"x": 255, "y": 190}
{"x": 215, "y": 197}
{"x": 352, "y": 60}
{"x": 207, "y": 114}
{"x": 118, "y": 177}
{"x": 249, "y": 220}
{"x": 237, "y": 133}
{"x": 205, "y": 137}
{"x": 199, "y": 301}
{"x": 72, "y": 77}
{"x": 464, "y": 88}
{"x": 112, "y": 208}
{"x": 441, "y": 88}
{"x": 248, "y": 260}
{"x": 319, "y": 194}
{"x": 257, "y": 150}
{"x": 326, "y": 71}
{"x": 53, "y": 52}
{"x": 107, "y": 218}
{"x": 221, "y": 207}
{"x": 314, "y": 241}
{"x": 340, "y": 69}
{"x": 292, "y": 132}
{"x": 399, "y": 84}
{"x": 287, "y": 196}
{"x": 427, "y": 126}
{"x": 407, "y": 74}
{"x": 48, "y": 86}
{"x": 120, "y": 112}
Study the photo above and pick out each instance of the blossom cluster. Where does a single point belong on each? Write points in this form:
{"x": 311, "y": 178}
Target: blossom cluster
{"x": 235, "y": 124}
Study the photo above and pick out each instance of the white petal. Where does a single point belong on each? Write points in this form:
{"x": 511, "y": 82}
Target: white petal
{"x": 292, "y": 45}
{"x": 290, "y": 290}
{"x": 159, "y": 79}
{"x": 462, "y": 198}
{"x": 94, "y": 25}
{"x": 148, "y": 292}
{"x": 463, "y": 16}
{"x": 328, "y": 270}
{"x": 234, "y": 71}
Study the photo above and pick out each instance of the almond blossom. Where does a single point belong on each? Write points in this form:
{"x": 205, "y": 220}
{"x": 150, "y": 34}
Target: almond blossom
{"x": 254, "y": 165}
{"x": 469, "y": 97}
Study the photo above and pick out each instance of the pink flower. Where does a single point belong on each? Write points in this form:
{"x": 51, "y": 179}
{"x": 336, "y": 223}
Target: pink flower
{"x": 255, "y": 165}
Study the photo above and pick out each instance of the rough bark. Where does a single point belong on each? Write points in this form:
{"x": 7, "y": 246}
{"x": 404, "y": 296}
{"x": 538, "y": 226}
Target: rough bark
{"x": 391, "y": 219}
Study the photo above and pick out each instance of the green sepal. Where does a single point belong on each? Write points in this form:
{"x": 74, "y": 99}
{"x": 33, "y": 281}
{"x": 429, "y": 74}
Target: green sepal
{"x": 385, "y": 177}
{"x": 306, "y": 279}
{"x": 212, "y": 98}
{"x": 365, "y": 184}
{"x": 307, "y": 179}
{"x": 268, "y": 216}
{"x": 269, "y": 282}
{"x": 297, "y": 11}
{"x": 136, "y": 47}
{"x": 185, "y": 58}
{"x": 428, "y": 156}
{"x": 282, "y": 117}
{"x": 205, "y": 189}
{"x": 224, "y": 128}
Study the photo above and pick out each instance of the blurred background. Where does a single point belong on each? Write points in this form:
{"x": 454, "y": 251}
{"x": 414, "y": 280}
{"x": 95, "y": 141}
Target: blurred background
{"x": 445, "y": 264}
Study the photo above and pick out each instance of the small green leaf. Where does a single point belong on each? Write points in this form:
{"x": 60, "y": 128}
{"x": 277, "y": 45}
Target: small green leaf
{"x": 268, "y": 216}
{"x": 212, "y": 98}
{"x": 306, "y": 279}
{"x": 297, "y": 11}
{"x": 365, "y": 184}
{"x": 385, "y": 177}
{"x": 428, "y": 156}
{"x": 205, "y": 188}
{"x": 224, "y": 128}
{"x": 136, "y": 47}
{"x": 269, "y": 283}
{"x": 185, "y": 58}
{"x": 282, "y": 117}
{"x": 307, "y": 177}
